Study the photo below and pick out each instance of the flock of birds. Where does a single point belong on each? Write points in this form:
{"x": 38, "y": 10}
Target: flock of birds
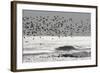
{"x": 54, "y": 26}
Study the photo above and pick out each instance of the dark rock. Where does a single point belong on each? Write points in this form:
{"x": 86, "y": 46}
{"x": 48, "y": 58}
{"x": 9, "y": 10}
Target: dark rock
{"x": 66, "y": 48}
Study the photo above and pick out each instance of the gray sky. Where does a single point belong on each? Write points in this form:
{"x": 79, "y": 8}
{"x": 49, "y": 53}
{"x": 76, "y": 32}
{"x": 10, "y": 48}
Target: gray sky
{"x": 77, "y": 18}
